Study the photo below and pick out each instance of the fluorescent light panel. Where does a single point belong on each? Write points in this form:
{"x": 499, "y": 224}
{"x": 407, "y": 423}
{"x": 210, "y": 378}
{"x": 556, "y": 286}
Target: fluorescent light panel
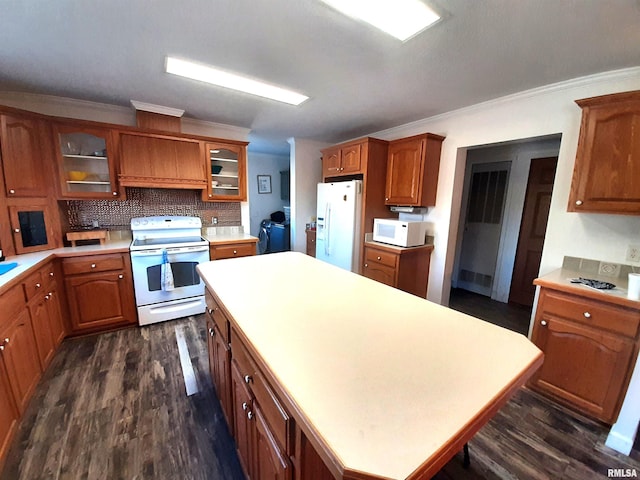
{"x": 205, "y": 73}
{"x": 400, "y": 18}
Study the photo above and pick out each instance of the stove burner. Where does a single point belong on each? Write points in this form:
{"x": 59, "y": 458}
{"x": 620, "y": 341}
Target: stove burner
{"x": 597, "y": 284}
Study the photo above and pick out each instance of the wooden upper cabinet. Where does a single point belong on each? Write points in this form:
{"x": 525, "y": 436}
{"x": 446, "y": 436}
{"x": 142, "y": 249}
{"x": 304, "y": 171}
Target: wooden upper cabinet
{"x": 607, "y": 167}
{"x": 163, "y": 161}
{"x": 225, "y": 164}
{"x": 86, "y": 158}
{"x": 26, "y": 155}
{"x": 342, "y": 160}
{"x": 412, "y": 170}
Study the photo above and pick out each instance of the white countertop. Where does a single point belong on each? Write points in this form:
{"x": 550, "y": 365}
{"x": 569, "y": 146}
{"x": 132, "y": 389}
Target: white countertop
{"x": 385, "y": 378}
{"x": 561, "y": 279}
{"x": 116, "y": 242}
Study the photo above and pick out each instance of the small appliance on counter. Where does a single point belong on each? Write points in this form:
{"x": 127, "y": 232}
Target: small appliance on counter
{"x": 402, "y": 233}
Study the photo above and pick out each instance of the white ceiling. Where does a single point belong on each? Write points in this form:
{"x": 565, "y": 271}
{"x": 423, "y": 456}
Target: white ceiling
{"x": 359, "y": 79}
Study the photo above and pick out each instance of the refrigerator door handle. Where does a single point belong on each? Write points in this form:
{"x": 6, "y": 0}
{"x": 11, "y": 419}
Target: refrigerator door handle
{"x": 327, "y": 229}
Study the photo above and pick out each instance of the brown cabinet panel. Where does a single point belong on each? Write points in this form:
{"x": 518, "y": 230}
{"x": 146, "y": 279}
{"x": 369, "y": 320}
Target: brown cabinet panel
{"x": 33, "y": 227}
{"x": 243, "y": 428}
{"x": 343, "y": 160}
{"x": 331, "y": 162}
{"x": 26, "y": 155}
{"x": 412, "y": 170}
{"x": 311, "y": 242}
{"x": 351, "y": 158}
{"x": 39, "y": 311}
{"x": 148, "y": 160}
{"x": 586, "y": 366}
{"x": 93, "y": 263}
{"x": 20, "y": 355}
{"x": 608, "y": 157}
{"x": 271, "y": 462}
{"x": 220, "y": 368}
{"x": 218, "y": 252}
{"x": 403, "y": 268}
{"x": 8, "y": 412}
{"x": 100, "y": 300}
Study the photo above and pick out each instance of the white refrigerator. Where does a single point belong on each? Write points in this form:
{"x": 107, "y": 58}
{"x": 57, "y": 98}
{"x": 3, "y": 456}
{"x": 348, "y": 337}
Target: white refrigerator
{"x": 338, "y": 223}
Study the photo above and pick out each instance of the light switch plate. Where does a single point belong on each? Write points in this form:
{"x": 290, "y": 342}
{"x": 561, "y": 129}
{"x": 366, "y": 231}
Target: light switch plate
{"x": 608, "y": 269}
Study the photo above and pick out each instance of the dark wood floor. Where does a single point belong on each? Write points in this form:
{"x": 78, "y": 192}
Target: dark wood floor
{"x": 113, "y": 406}
{"x": 511, "y": 316}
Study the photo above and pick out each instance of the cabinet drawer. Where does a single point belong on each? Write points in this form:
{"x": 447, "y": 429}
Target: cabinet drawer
{"x": 591, "y": 312}
{"x": 276, "y": 416}
{"x": 33, "y": 285}
{"x": 380, "y": 256}
{"x": 218, "y": 252}
{"x": 218, "y": 317}
{"x": 94, "y": 263}
{"x": 11, "y": 302}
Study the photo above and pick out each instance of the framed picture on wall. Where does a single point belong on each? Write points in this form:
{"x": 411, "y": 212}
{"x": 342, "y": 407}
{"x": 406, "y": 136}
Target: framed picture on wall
{"x": 264, "y": 183}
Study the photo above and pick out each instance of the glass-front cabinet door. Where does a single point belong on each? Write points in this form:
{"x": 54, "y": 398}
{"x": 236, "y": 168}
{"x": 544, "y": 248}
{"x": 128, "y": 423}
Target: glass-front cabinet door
{"x": 32, "y": 227}
{"x": 85, "y": 161}
{"x": 226, "y": 164}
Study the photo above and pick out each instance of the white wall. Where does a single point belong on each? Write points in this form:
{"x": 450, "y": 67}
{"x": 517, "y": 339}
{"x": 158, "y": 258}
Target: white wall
{"x": 540, "y": 112}
{"x": 306, "y": 173}
{"x": 263, "y": 204}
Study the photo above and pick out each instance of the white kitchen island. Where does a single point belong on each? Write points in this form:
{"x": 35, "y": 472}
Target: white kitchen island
{"x": 382, "y": 383}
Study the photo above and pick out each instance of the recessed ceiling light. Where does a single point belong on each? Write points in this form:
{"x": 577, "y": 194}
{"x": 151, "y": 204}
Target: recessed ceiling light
{"x": 400, "y": 18}
{"x": 205, "y": 73}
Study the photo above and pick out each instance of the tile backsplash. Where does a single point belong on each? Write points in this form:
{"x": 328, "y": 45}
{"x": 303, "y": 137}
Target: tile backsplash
{"x": 145, "y": 202}
{"x": 587, "y": 266}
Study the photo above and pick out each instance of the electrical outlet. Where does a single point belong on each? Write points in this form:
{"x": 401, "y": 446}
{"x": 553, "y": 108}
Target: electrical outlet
{"x": 214, "y": 220}
{"x": 609, "y": 269}
{"x": 633, "y": 253}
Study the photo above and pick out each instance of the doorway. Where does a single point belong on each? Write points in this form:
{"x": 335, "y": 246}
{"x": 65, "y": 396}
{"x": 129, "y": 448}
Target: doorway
{"x": 493, "y": 217}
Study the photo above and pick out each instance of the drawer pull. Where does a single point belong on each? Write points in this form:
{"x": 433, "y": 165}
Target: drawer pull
{"x": 47, "y": 297}
{"x": 12, "y": 191}
{"x": 587, "y": 315}
{"x": 247, "y": 379}
{"x": 235, "y": 251}
{"x": 379, "y": 258}
{"x": 38, "y": 285}
{"x": 121, "y": 276}
{"x": 543, "y": 323}
{"x": 578, "y": 202}
{"x": 93, "y": 265}
{"x": 366, "y": 265}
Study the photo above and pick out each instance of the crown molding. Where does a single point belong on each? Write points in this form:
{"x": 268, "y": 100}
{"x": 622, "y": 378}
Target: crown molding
{"x": 150, "y": 107}
{"x": 590, "y": 80}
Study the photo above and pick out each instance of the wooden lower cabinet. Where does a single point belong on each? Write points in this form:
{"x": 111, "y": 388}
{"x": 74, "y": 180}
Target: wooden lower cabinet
{"x": 271, "y": 463}
{"x": 403, "y": 268}
{"x": 99, "y": 292}
{"x": 20, "y": 357}
{"x": 242, "y": 427}
{"x": 311, "y": 242}
{"x": 589, "y": 348}
{"x": 8, "y": 412}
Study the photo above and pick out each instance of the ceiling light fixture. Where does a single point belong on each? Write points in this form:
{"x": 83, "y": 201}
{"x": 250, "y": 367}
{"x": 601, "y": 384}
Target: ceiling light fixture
{"x": 205, "y": 73}
{"x": 401, "y": 18}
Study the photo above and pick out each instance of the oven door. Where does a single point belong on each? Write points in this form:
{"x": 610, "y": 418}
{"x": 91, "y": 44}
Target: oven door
{"x": 147, "y": 273}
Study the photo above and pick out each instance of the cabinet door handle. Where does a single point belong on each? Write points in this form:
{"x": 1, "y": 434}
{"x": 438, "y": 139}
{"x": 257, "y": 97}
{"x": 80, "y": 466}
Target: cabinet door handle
{"x": 12, "y": 191}
{"x": 235, "y": 251}
{"x": 250, "y": 415}
{"x": 38, "y": 285}
{"x": 543, "y": 323}
{"x": 210, "y": 311}
{"x": 46, "y": 297}
{"x": 578, "y": 202}
{"x": 17, "y": 230}
{"x": 587, "y": 315}
{"x": 379, "y": 258}
{"x": 114, "y": 194}
{"x": 121, "y": 276}
{"x": 51, "y": 274}
{"x": 247, "y": 378}
{"x": 366, "y": 265}
{"x": 212, "y": 332}
{"x": 244, "y": 406}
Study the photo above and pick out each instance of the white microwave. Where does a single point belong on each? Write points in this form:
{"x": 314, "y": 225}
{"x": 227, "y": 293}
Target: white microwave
{"x": 402, "y": 233}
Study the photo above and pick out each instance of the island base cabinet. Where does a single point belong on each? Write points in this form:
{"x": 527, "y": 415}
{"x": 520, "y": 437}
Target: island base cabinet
{"x": 242, "y": 428}
{"x": 219, "y": 363}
